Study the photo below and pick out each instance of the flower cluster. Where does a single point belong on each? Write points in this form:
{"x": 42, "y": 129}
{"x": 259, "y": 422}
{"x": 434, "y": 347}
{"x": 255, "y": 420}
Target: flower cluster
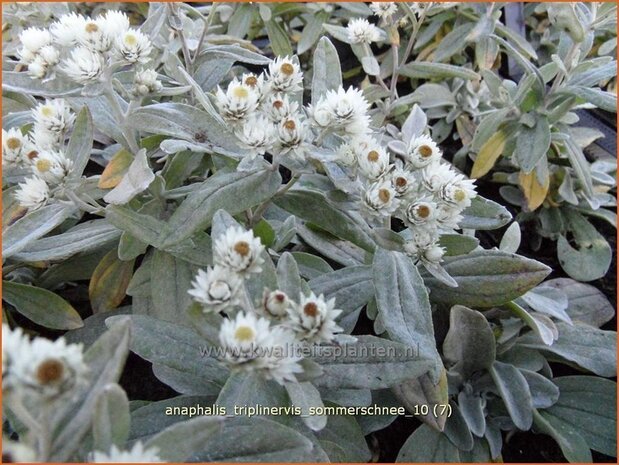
{"x": 40, "y": 151}
{"x": 137, "y": 454}
{"x": 261, "y": 337}
{"x": 263, "y": 111}
{"x": 40, "y": 370}
{"x": 83, "y": 47}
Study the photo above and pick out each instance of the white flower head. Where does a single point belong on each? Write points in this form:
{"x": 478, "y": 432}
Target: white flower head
{"x": 285, "y": 75}
{"x": 257, "y": 135}
{"x": 275, "y": 304}
{"x": 43, "y": 62}
{"x": 342, "y": 110}
{"x": 133, "y": 46}
{"x": 216, "y": 289}
{"x": 422, "y": 151}
{"x": 33, "y": 193}
{"x": 145, "y": 82}
{"x": 278, "y": 107}
{"x": 373, "y": 160}
{"x": 424, "y": 246}
{"x": 279, "y": 361}
{"x": 421, "y": 211}
{"x": 256, "y": 83}
{"x": 33, "y": 39}
{"x": 43, "y": 139}
{"x": 313, "y": 319}
{"x": 360, "y": 31}
{"x": 384, "y": 10}
{"x": 436, "y": 175}
{"x": 54, "y": 115}
{"x": 114, "y": 23}
{"x": 458, "y": 192}
{"x": 84, "y": 66}
{"x": 291, "y": 136}
{"x": 238, "y": 102}
{"x": 243, "y": 337}
{"x": 380, "y": 199}
{"x": 66, "y": 30}
{"x": 448, "y": 216}
{"x": 49, "y": 369}
{"x": 93, "y": 35}
{"x": 14, "y": 147}
{"x": 51, "y": 166}
{"x": 137, "y": 454}
{"x": 239, "y": 251}
{"x": 403, "y": 181}
{"x": 346, "y": 154}
{"x": 14, "y": 342}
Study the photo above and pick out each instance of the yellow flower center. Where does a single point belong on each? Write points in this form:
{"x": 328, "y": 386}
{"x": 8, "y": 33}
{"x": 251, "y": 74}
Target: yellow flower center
{"x": 91, "y": 27}
{"x": 310, "y": 309}
{"x": 277, "y": 104}
{"x": 131, "y": 39}
{"x": 244, "y": 334}
{"x": 401, "y": 181}
{"x": 43, "y": 165}
{"x": 290, "y": 125}
{"x": 251, "y": 81}
{"x": 460, "y": 195}
{"x": 13, "y": 143}
{"x": 240, "y": 92}
{"x": 287, "y": 69}
{"x": 47, "y": 112}
{"x": 50, "y": 371}
{"x": 373, "y": 156}
{"x": 242, "y": 248}
{"x": 423, "y": 211}
{"x": 384, "y": 195}
{"x": 425, "y": 151}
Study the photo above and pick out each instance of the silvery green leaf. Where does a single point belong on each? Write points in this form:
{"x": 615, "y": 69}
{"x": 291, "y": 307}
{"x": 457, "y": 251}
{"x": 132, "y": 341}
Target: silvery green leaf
{"x": 311, "y": 266}
{"x": 338, "y": 32}
{"x": 457, "y": 430}
{"x": 414, "y": 125}
{"x": 170, "y": 282}
{"x": 532, "y": 144}
{"x": 586, "y": 304}
{"x": 340, "y": 251}
{"x": 458, "y": 244}
{"x": 427, "y": 445}
{"x": 566, "y": 190}
{"x": 35, "y": 224}
{"x": 103, "y": 118}
{"x": 471, "y": 408}
{"x": 22, "y": 83}
{"x": 360, "y": 365}
{"x": 370, "y": 65}
{"x": 312, "y": 32}
{"x": 541, "y": 325}
{"x": 586, "y": 406}
{"x": 141, "y": 226}
{"x": 429, "y": 70}
{"x": 176, "y": 354}
{"x": 587, "y": 347}
{"x": 350, "y": 286}
{"x": 544, "y": 392}
{"x": 514, "y": 390}
{"x": 343, "y": 439}
{"x": 430, "y": 95}
{"x": 305, "y": 396}
{"x": 348, "y": 397}
{"x": 453, "y": 42}
{"x": 484, "y": 214}
{"x": 84, "y": 237}
{"x": 111, "y": 419}
{"x": 510, "y": 242}
{"x": 518, "y": 41}
{"x": 210, "y": 73}
{"x": 486, "y": 278}
{"x": 201, "y": 96}
{"x": 234, "y": 192}
{"x": 136, "y": 180}
{"x": 436, "y": 270}
{"x": 403, "y": 304}
{"x": 469, "y": 344}
{"x": 423, "y": 391}
{"x": 236, "y": 52}
{"x": 240, "y": 21}
{"x": 288, "y": 277}
{"x": 184, "y": 122}
{"x": 80, "y": 144}
{"x": 41, "y": 306}
{"x": 278, "y": 38}
{"x": 251, "y": 389}
{"x": 548, "y": 300}
{"x": 572, "y": 444}
{"x": 182, "y": 440}
{"x": 105, "y": 360}
{"x": 327, "y": 74}
{"x": 594, "y": 75}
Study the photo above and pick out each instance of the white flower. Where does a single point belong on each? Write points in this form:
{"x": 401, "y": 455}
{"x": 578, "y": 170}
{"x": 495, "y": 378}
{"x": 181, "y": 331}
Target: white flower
{"x": 114, "y": 23}
{"x": 403, "y": 181}
{"x": 342, "y": 110}
{"x": 14, "y": 146}
{"x": 93, "y": 35}
{"x": 133, "y": 46}
{"x": 49, "y": 369}
{"x": 274, "y": 304}
{"x": 146, "y": 82}
{"x": 54, "y": 115}
{"x": 243, "y": 337}
{"x": 373, "y": 160}
{"x": 280, "y": 361}
{"x": 384, "y": 10}
{"x": 421, "y": 211}
{"x": 346, "y": 154}
{"x": 239, "y": 251}
{"x": 51, "y": 166}
{"x": 313, "y": 319}
{"x": 238, "y": 102}
{"x": 33, "y": 193}
{"x": 422, "y": 151}
{"x": 16, "y": 452}
{"x": 433, "y": 254}
{"x": 436, "y": 175}
{"x": 279, "y": 107}
{"x": 285, "y": 75}
{"x": 13, "y": 344}
{"x": 46, "y": 58}
{"x": 448, "y": 216}
{"x": 458, "y": 192}
{"x": 291, "y": 136}
{"x": 256, "y": 83}
{"x": 43, "y": 139}
{"x": 84, "y": 66}
{"x": 380, "y": 199}
{"x": 33, "y": 39}
{"x": 216, "y": 289}
{"x": 424, "y": 246}
{"x": 137, "y": 454}
{"x": 67, "y": 28}
{"x": 361, "y": 31}
{"x": 257, "y": 135}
